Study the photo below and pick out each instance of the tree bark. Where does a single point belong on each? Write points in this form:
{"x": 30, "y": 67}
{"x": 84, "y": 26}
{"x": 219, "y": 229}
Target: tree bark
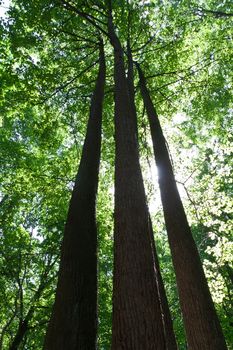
{"x": 73, "y": 323}
{"x": 169, "y": 334}
{"x": 137, "y": 319}
{"x": 130, "y": 82}
{"x": 202, "y": 326}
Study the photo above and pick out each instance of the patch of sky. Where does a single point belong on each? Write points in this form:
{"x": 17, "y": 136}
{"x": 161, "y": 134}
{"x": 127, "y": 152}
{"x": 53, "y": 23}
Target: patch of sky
{"x": 4, "y": 7}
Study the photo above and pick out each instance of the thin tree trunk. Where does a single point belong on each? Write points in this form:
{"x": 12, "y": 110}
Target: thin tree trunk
{"x": 5, "y": 327}
{"x": 170, "y": 338}
{"x": 166, "y": 315}
{"x": 202, "y": 326}
{"x": 137, "y": 319}
{"x": 21, "y": 331}
{"x": 23, "y": 326}
{"x": 73, "y": 323}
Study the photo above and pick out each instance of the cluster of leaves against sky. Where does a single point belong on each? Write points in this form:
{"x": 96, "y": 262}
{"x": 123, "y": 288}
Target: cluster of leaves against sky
{"x": 48, "y": 69}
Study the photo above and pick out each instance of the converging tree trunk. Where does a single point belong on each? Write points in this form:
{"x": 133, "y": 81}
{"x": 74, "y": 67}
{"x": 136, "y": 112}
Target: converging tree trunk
{"x": 137, "y": 319}
{"x": 169, "y": 334}
{"x": 73, "y": 323}
{"x": 202, "y": 326}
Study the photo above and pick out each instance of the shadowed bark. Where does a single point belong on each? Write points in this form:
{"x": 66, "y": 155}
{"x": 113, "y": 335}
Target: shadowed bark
{"x": 73, "y": 323}
{"x": 137, "y": 319}
{"x": 202, "y": 326}
{"x": 166, "y": 315}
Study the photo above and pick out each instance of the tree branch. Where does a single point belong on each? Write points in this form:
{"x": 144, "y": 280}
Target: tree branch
{"x": 77, "y": 36}
{"x": 217, "y": 14}
{"x": 63, "y": 86}
{"x": 91, "y": 19}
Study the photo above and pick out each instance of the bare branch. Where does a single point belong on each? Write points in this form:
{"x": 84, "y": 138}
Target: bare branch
{"x": 63, "y": 86}
{"x": 77, "y": 36}
{"x": 91, "y": 19}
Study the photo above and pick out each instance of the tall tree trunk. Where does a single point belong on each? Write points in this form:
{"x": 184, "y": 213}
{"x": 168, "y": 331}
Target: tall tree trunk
{"x": 166, "y": 315}
{"x": 137, "y": 319}
{"x": 73, "y": 323}
{"x": 202, "y": 326}
{"x": 130, "y": 82}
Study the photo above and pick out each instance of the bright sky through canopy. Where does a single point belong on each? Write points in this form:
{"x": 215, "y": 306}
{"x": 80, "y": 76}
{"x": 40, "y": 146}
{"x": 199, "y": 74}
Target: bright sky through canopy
{"x": 4, "y": 6}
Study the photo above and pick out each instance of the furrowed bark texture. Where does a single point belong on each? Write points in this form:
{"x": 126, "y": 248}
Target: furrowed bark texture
{"x": 137, "y": 320}
{"x": 202, "y": 326}
{"x": 169, "y": 334}
{"x": 130, "y": 82}
{"x": 73, "y": 324}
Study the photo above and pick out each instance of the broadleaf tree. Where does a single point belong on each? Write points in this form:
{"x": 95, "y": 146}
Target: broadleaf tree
{"x": 49, "y": 65}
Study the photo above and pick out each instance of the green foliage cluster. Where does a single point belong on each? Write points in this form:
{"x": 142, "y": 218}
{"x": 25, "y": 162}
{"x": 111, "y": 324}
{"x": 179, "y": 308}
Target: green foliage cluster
{"x": 48, "y": 70}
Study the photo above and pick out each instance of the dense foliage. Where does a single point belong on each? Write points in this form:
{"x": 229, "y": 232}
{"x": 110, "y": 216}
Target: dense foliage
{"x": 48, "y": 69}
